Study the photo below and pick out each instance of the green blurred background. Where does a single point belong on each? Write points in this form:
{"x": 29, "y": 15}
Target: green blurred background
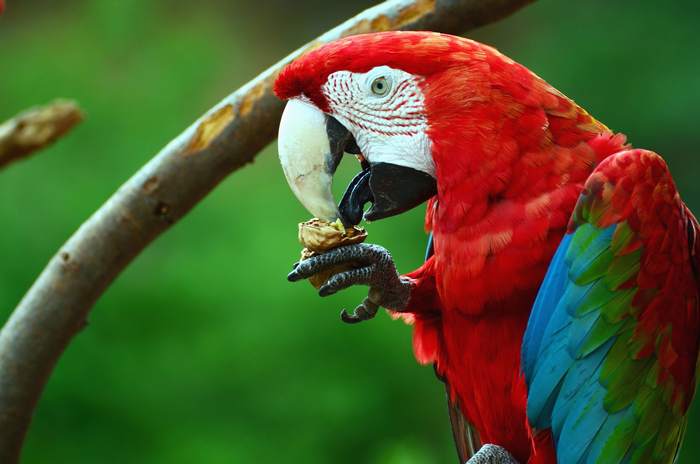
{"x": 201, "y": 351}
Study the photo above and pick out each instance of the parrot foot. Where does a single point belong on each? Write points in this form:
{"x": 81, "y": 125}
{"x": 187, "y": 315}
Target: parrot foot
{"x": 377, "y": 270}
{"x": 492, "y": 454}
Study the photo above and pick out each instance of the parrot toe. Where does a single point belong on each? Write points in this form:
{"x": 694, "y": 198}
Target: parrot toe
{"x": 368, "y": 264}
{"x": 492, "y": 454}
{"x": 363, "y": 312}
{"x": 337, "y": 282}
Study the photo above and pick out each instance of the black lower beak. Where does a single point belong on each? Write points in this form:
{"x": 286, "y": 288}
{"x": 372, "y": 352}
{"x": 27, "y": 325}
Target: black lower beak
{"x": 356, "y": 196}
{"x": 392, "y": 189}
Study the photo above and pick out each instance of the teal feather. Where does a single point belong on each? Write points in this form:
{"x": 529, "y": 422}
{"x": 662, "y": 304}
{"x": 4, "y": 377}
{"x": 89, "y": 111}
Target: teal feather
{"x": 591, "y": 352}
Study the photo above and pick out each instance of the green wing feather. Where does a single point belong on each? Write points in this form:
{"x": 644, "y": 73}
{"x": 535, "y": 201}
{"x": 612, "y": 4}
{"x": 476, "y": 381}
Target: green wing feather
{"x": 611, "y": 347}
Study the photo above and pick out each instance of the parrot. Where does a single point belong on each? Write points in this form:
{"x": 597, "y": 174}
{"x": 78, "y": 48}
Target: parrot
{"x": 559, "y": 297}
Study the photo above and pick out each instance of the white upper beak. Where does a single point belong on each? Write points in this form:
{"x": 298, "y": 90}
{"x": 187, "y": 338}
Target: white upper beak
{"x": 305, "y": 154}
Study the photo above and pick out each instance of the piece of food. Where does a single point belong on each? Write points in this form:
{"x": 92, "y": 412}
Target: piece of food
{"x": 318, "y": 236}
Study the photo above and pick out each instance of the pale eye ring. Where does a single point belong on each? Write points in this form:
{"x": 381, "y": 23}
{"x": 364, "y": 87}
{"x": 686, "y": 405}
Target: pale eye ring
{"x": 380, "y": 86}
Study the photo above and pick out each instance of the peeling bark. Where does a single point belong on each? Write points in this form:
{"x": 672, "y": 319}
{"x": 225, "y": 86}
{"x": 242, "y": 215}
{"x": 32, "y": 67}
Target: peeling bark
{"x": 36, "y": 128}
{"x": 226, "y": 138}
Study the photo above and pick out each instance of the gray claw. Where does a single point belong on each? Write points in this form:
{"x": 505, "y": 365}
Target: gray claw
{"x": 364, "y": 312}
{"x": 492, "y": 454}
{"x": 387, "y": 287}
{"x": 337, "y": 282}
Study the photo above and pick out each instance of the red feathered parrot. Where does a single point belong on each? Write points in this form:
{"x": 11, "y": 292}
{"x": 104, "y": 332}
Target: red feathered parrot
{"x": 520, "y": 183}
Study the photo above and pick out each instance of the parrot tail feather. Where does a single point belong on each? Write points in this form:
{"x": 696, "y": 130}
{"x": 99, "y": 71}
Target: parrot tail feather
{"x": 465, "y": 436}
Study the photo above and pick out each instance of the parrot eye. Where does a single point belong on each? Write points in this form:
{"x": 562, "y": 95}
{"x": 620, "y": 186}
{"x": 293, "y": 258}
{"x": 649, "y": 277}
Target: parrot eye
{"x": 380, "y": 86}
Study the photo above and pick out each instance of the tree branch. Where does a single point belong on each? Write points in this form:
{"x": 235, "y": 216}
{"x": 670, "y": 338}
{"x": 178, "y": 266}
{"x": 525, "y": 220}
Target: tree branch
{"x": 36, "y": 128}
{"x": 158, "y": 195}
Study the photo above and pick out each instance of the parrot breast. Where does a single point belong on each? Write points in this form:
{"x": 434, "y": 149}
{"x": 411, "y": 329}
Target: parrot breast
{"x": 511, "y": 157}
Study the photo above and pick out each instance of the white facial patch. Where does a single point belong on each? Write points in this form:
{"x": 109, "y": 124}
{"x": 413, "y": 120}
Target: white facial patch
{"x": 385, "y": 112}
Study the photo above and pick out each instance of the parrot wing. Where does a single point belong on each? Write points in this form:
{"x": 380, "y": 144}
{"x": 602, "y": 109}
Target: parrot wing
{"x": 611, "y": 347}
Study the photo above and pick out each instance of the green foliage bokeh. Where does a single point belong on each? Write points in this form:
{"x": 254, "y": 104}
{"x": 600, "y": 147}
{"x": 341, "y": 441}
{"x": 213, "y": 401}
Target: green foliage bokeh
{"x": 201, "y": 351}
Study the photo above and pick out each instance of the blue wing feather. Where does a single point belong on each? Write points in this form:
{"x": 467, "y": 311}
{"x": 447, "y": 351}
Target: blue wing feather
{"x": 594, "y": 377}
{"x": 547, "y": 298}
{"x": 559, "y": 389}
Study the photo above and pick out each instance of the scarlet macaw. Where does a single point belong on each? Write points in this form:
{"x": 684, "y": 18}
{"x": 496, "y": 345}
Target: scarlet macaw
{"x": 504, "y": 159}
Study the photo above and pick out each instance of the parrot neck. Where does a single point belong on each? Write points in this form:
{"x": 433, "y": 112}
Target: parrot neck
{"x": 501, "y": 220}
{"x": 503, "y": 140}
{"x": 511, "y": 156}
{"x": 493, "y": 178}
{"x": 469, "y": 194}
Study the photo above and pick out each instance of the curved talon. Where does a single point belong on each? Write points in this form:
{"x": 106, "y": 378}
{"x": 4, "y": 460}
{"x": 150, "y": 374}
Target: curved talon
{"x": 364, "y": 311}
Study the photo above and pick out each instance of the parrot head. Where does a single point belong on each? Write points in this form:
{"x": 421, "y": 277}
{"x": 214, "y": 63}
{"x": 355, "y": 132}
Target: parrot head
{"x": 394, "y": 99}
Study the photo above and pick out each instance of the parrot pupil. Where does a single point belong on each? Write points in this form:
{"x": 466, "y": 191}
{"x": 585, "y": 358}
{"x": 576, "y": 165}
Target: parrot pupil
{"x": 379, "y": 86}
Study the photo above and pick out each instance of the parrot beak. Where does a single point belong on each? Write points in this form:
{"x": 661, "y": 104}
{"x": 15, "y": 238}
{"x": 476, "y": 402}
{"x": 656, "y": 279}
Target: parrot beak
{"x": 311, "y": 146}
{"x": 392, "y": 190}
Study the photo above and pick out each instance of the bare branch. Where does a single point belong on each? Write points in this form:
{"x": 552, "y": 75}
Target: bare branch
{"x": 36, "y": 128}
{"x": 159, "y": 194}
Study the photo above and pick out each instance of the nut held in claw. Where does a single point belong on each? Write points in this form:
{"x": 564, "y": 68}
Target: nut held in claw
{"x": 309, "y": 162}
{"x": 318, "y": 236}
